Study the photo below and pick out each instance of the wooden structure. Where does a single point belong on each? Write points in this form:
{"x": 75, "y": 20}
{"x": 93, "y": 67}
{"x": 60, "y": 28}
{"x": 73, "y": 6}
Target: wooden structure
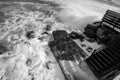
{"x": 105, "y": 63}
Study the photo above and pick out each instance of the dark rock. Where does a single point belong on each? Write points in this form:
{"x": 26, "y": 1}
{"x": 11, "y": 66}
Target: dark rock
{"x": 97, "y": 23}
{"x": 3, "y": 49}
{"x": 52, "y": 43}
{"x": 59, "y": 34}
{"x": 29, "y": 61}
{"x": 45, "y": 33}
{"x": 102, "y": 35}
{"x": 75, "y": 35}
{"x": 89, "y": 49}
{"x": 30, "y": 34}
{"x": 48, "y": 28}
{"x": 90, "y": 31}
{"x": 91, "y": 40}
{"x": 83, "y": 45}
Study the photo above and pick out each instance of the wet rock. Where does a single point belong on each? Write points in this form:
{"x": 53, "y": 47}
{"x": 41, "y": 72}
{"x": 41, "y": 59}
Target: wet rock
{"x": 91, "y": 40}
{"x": 59, "y": 34}
{"x": 30, "y": 34}
{"x": 3, "y": 48}
{"x": 29, "y": 62}
{"x": 90, "y": 31}
{"x": 75, "y": 35}
{"x": 48, "y": 28}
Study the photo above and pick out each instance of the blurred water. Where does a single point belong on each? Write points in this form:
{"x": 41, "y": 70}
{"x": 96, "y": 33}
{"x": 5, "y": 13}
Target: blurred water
{"x": 78, "y": 13}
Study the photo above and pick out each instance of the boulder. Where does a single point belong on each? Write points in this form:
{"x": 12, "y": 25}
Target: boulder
{"x": 59, "y": 34}
{"x": 90, "y": 31}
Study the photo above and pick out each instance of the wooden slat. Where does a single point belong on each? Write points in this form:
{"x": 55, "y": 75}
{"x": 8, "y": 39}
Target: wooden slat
{"x": 112, "y": 18}
{"x": 97, "y": 62}
{"x": 100, "y": 54}
{"x": 106, "y": 55}
{"x": 111, "y": 55}
{"x": 93, "y": 66}
{"x": 100, "y": 60}
{"x": 103, "y": 59}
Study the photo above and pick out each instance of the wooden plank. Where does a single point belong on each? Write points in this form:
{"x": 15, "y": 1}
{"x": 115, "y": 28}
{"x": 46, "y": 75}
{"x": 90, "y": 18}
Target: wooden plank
{"x": 103, "y": 58}
{"x": 100, "y": 60}
{"x": 112, "y": 18}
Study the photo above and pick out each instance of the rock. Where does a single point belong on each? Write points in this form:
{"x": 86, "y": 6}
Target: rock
{"x": 30, "y": 34}
{"x": 59, "y": 34}
{"x": 90, "y": 31}
{"x": 3, "y": 48}
{"x": 91, "y": 40}
{"x": 48, "y": 28}
{"x": 102, "y": 35}
{"x": 75, "y": 35}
